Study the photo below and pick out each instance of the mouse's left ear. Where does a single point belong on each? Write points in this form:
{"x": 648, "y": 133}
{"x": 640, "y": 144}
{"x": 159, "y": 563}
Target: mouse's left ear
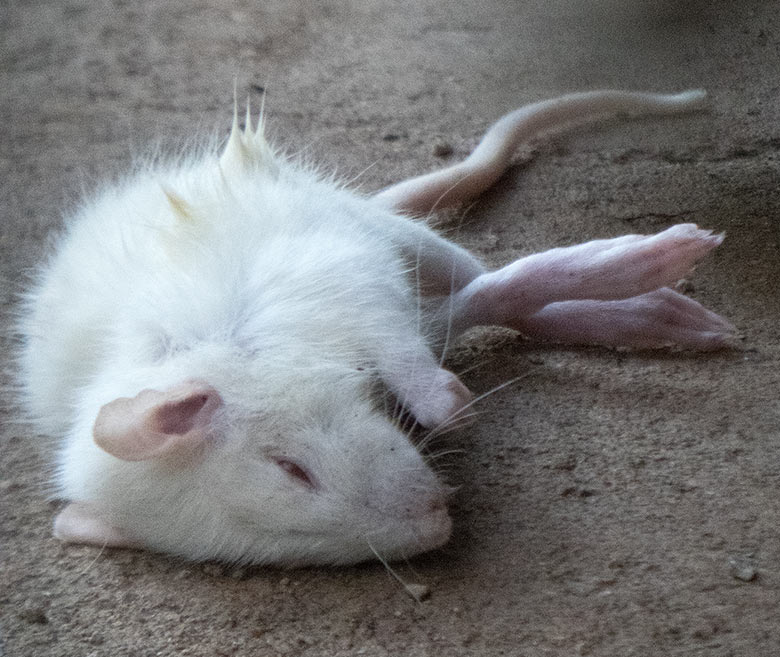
{"x": 157, "y": 423}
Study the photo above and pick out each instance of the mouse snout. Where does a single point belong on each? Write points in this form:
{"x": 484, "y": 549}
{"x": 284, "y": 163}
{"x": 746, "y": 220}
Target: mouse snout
{"x": 413, "y": 493}
{"x": 424, "y": 504}
{"x": 420, "y": 510}
{"x": 431, "y": 525}
{"x": 435, "y": 503}
{"x": 434, "y": 500}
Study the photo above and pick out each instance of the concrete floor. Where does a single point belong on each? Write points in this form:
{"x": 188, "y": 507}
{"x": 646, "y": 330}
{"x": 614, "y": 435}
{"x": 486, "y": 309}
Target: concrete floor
{"x": 605, "y": 498}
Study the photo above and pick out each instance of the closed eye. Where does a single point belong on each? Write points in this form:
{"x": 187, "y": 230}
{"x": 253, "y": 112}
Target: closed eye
{"x": 296, "y": 472}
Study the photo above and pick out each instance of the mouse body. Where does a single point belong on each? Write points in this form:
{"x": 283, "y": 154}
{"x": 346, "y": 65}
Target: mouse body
{"x": 225, "y": 344}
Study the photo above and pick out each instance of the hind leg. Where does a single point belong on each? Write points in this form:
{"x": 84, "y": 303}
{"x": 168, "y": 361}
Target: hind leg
{"x": 601, "y": 270}
{"x": 661, "y": 318}
{"x": 439, "y": 266}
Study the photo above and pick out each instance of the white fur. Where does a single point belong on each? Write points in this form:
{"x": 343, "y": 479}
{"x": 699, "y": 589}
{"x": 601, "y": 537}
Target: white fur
{"x": 281, "y": 291}
{"x": 295, "y": 301}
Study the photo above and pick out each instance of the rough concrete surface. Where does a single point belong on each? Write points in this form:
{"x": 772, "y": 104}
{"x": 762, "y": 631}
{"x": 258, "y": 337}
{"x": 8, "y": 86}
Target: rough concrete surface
{"x": 609, "y": 503}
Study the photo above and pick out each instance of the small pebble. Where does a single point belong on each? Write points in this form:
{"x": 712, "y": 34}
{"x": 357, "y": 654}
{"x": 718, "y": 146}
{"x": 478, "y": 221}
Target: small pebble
{"x": 491, "y": 241}
{"x": 442, "y": 149}
{"x": 685, "y": 286}
{"x": 742, "y": 569}
{"x": 419, "y": 592}
{"x": 36, "y": 615}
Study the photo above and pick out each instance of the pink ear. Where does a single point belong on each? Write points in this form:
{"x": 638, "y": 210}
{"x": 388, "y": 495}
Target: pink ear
{"x": 157, "y": 423}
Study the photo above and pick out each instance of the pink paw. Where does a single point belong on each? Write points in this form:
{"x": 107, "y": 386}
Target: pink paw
{"x": 604, "y": 270}
{"x": 665, "y": 318}
{"x": 661, "y": 318}
{"x": 663, "y": 259}
{"x": 438, "y": 400}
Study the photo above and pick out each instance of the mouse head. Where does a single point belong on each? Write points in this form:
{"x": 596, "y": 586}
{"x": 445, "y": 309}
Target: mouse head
{"x": 320, "y": 476}
{"x": 232, "y": 413}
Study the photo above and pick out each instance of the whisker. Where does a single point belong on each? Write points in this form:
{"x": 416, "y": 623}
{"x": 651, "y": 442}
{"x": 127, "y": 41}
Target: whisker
{"x": 448, "y": 426}
{"x": 447, "y": 191}
{"x": 472, "y": 367}
{"x": 392, "y": 572}
{"x": 351, "y": 181}
{"x": 459, "y": 412}
{"x": 450, "y": 305}
{"x": 412, "y": 428}
{"x": 447, "y": 452}
{"x": 91, "y": 563}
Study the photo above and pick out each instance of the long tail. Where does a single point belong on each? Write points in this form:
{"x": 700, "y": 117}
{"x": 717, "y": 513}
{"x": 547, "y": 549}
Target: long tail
{"x": 467, "y": 179}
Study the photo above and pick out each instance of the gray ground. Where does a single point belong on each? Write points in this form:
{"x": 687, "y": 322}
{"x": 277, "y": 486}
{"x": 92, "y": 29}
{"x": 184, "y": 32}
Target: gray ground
{"x": 609, "y": 503}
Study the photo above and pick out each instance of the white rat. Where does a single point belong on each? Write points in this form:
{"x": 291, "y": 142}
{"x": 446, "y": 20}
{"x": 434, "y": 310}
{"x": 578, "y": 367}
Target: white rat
{"x": 212, "y": 338}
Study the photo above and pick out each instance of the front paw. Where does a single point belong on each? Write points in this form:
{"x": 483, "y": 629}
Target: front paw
{"x": 440, "y": 400}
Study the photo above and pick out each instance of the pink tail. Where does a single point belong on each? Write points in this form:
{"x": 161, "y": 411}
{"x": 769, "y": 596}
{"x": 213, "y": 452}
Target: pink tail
{"x": 479, "y": 171}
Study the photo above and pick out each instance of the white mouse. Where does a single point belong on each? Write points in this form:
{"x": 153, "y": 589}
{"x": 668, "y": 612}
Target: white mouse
{"x": 216, "y": 340}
